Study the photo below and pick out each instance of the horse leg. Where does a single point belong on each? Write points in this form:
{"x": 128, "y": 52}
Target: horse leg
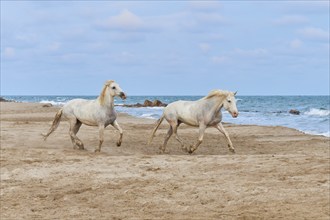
{"x": 75, "y": 131}
{"x": 74, "y": 128}
{"x": 202, "y": 128}
{"x": 175, "y": 131}
{"x": 101, "y": 138}
{"x": 167, "y": 137}
{"x": 224, "y": 132}
{"x": 116, "y": 126}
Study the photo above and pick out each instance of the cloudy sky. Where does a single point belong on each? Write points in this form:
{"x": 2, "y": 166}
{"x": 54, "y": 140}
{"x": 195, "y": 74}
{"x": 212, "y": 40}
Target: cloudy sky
{"x": 165, "y": 47}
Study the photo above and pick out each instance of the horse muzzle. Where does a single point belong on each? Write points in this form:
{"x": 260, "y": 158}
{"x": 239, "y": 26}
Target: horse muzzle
{"x": 234, "y": 114}
{"x": 122, "y": 95}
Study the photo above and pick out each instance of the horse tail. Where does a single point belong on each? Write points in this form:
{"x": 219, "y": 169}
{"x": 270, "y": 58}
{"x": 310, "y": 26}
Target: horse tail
{"x": 159, "y": 121}
{"x": 55, "y": 124}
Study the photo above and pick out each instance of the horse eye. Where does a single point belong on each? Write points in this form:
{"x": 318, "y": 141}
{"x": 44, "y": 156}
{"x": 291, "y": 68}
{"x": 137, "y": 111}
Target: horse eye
{"x": 113, "y": 87}
{"x": 229, "y": 101}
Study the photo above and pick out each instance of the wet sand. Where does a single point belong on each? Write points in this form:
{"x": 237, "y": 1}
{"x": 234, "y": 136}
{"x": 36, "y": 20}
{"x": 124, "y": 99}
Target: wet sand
{"x": 276, "y": 173}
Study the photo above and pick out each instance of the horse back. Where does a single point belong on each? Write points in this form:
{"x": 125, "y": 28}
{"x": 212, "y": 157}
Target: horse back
{"x": 89, "y": 112}
{"x": 182, "y": 111}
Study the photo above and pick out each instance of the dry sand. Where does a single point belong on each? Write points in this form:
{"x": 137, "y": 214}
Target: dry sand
{"x": 276, "y": 173}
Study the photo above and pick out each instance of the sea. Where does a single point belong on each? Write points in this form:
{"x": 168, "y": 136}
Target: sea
{"x": 314, "y": 117}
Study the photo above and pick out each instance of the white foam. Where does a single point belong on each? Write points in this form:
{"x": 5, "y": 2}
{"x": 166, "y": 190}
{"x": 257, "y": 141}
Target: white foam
{"x": 155, "y": 108}
{"x": 52, "y": 102}
{"x": 317, "y": 112}
{"x": 148, "y": 115}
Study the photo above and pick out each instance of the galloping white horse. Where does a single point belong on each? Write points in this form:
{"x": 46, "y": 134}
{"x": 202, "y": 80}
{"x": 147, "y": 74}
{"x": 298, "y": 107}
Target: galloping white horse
{"x": 203, "y": 113}
{"x": 99, "y": 112}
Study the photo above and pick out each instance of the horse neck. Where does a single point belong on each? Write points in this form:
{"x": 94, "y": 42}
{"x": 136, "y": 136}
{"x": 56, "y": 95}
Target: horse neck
{"x": 106, "y": 99}
{"x": 109, "y": 101}
{"x": 217, "y": 102}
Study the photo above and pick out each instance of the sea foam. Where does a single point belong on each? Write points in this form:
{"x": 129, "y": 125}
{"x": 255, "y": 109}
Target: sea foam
{"x": 317, "y": 112}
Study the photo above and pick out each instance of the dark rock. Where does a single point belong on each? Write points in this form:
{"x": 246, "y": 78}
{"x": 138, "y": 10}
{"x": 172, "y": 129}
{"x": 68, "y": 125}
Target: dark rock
{"x": 137, "y": 105}
{"x": 158, "y": 103}
{"x": 147, "y": 103}
{"x": 4, "y": 100}
{"x": 294, "y": 112}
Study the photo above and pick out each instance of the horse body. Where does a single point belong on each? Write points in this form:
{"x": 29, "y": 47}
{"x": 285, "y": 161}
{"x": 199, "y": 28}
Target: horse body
{"x": 194, "y": 112}
{"x": 99, "y": 112}
{"x": 203, "y": 113}
{"x": 86, "y": 112}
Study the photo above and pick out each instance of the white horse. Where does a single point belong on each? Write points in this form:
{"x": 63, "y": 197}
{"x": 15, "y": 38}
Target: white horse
{"x": 203, "y": 113}
{"x": 99, "y": 112}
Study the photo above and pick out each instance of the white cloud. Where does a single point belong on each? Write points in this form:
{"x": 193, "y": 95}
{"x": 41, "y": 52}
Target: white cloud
{"x": 27, "y": 37}
{"x": 9, "y": 52}
{"x": 296, "y": 43}
{"x": 200, "y": 21}
{"x": 125, "y": 21}
{"x": 291, "y": 20}
{"x": 55, "y": 46}
{"x": 214, "y": 36}
{"x": 125, "y": 58}
{"x": 258, "y": 52}
{"x": 205, "y": 47}
{"x": 314, "y": 33}
{"x": 73, "y": 58}
{"x": 219, "y": 59}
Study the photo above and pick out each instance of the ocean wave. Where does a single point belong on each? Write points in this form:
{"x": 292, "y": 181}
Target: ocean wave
{"x": 149, "y": 115}
{"x": 317, "y": 112}
{"x": 52, "y": 102}
{"x": 155, "y": 108}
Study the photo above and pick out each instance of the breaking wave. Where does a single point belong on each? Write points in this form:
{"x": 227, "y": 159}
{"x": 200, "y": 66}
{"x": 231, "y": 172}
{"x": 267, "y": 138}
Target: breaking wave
{"x": 318, "y": 112}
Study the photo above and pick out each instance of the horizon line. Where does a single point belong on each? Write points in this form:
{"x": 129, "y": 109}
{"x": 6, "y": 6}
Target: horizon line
{"x": 2, "y": 95}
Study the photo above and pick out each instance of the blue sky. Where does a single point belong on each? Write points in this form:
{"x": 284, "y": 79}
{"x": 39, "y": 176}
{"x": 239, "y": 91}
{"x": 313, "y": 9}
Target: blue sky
{"x": 165, "y": 47}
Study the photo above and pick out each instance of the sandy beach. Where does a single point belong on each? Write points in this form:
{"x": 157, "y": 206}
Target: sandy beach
{"x": 276, "y": 173}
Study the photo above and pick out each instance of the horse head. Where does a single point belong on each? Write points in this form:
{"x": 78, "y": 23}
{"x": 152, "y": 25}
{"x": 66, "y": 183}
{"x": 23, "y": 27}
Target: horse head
{"x": 114, "y": 89}
{"x": 111, "y": 88}
{"x": 230, "y": 104}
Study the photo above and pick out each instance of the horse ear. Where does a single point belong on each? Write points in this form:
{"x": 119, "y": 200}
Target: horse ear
{"x": 108, "y": 82}
{"x": 235, "y": 93}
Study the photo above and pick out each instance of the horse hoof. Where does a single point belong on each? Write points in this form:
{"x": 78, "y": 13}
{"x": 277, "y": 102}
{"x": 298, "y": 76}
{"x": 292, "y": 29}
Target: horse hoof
{"x": 97, "y": 151}
{"x": 232, "y": 150}
{"x": 80, "y": 146}
{"x": 118, "y": 144}
{"x": 191, "y": 149}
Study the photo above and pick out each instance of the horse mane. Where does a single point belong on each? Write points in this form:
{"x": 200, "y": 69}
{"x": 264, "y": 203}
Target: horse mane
{"x": 102, "y": 95}
{"x": 217, "y": 92}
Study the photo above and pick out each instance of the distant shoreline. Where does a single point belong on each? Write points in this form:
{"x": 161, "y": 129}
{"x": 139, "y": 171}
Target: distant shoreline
{"x": 309, "y": 114}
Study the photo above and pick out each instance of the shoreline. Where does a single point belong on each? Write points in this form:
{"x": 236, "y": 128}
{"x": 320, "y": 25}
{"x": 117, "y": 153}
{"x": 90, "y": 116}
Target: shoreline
{"x": 277, "y": 172}
{"x": 58, "y": 106}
